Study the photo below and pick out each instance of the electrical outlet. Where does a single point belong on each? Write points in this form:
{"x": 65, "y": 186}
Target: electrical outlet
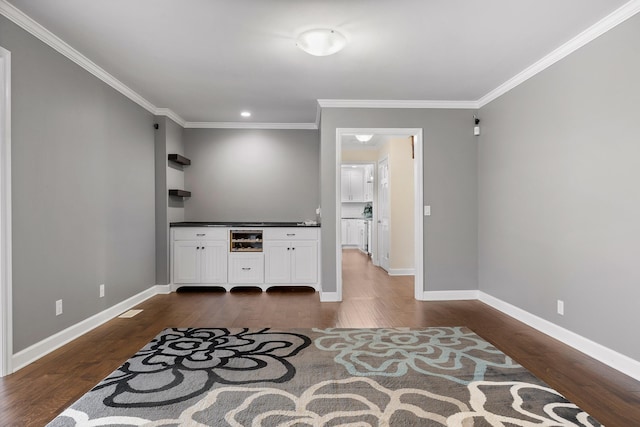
{"x": 561, "y": 307}
{"x": 102, "y": 290}
{"x": 58, "y": 307}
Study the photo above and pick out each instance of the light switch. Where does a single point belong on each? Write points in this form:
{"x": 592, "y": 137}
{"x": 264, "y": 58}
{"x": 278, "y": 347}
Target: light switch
{"x": 427, "y": 211}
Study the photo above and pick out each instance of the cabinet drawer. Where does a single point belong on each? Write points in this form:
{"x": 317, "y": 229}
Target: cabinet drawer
{"x": 246, "y": 268}
{"x": 200, "y": 233}
{"x": 293, "y": 233}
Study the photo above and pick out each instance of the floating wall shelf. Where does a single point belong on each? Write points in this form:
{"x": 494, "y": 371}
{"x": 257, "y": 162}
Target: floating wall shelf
{"x": 177, "y": 158}
{"x": 180, "y": 193}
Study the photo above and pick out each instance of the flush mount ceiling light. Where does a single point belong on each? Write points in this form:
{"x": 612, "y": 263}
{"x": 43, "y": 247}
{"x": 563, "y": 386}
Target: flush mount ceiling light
{"x": 246, "y": 114}
{"x": 321, "y": 41}
{"x": 364, "y": 138}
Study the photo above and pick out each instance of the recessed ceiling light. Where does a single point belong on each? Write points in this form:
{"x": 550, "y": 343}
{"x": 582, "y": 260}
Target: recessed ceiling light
{"x": 364, "y": 138}
{"x": 321, "y": 41}
{"x": 246, "y": 114}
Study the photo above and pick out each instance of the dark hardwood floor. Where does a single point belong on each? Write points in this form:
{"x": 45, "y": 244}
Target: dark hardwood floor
{"x": 37, "y": 393}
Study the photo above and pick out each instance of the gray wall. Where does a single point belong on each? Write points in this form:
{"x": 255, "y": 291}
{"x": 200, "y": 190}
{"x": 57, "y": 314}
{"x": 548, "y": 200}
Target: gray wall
{"x": 168, "y": 140}
{"x": 559, "y": 191}
{"x": 450, "y": 171}
{"x": 251, "y": 175}
{"x": 82, "y": 184}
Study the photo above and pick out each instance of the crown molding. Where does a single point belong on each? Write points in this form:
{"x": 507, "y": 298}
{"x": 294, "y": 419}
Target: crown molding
{"x": 248, "y": 125}
{"x": 170, "y": 114}
{"x": 383, "y": 103}
{"x": 596, "y": 30}
{"x": 25, "y": 22}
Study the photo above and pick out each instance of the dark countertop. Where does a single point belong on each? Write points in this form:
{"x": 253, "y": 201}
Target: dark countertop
{"x": 241, "y": 224}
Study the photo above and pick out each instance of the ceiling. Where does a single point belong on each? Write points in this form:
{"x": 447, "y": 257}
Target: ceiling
{"x": 207, "y": 60}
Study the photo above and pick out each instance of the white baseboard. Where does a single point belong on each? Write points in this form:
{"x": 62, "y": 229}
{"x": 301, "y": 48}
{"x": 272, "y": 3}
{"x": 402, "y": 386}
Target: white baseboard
{"x": 46, "y": 346}
{"x": 330, "y": 297}
{"x": 448, "y": 295}
{"x": 402, "y": 272}
{"x": 599, "y": 352}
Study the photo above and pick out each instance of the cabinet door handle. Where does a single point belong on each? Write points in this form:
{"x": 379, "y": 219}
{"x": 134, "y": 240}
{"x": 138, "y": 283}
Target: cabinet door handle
{"x": 293, "y": 249}
{"x": 246, "y": 268}
{"x": 200, "y": 234}
{"x": 288, "y": 249}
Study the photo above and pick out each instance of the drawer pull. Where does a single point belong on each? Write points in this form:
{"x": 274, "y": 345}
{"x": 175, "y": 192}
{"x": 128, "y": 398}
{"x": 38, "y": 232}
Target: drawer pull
{"x": 246, "y": 268}
{"x": 291, "y": 234}
{"x": 201, "y": 234}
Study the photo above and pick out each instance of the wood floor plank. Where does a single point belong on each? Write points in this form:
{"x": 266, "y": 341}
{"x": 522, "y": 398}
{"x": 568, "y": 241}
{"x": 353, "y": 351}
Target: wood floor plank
{"x": 37, "y": 393}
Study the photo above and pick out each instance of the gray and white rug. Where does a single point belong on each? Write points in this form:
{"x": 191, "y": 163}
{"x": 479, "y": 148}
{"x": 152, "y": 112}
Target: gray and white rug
{"x": 446, "y": 376}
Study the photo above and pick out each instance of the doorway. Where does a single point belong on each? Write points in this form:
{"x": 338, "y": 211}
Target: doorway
{"x": 418, "y": 264}
{"x": 6, "y": 338}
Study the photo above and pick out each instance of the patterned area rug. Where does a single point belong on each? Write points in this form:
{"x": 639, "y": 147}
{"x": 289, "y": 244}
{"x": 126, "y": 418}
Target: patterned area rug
{"x": 322, "y": 377}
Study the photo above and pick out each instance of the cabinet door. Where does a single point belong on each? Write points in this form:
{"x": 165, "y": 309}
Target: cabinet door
{"x": 213, "y": 257}
{"x": 277, "y": 262}
{"x": 186, "y": 261}
{"x": 345, "y": 231}
{"x": 352, "y": 232}
{"x": 345, "y": 185}
{"x": 304, "y": 262}
{"x": 361, "y": 235}
{"x": 356, "y": 183}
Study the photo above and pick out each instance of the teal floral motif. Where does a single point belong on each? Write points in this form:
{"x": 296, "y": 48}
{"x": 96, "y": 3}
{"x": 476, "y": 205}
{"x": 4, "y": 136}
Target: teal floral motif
{"x": 454, "y": 353}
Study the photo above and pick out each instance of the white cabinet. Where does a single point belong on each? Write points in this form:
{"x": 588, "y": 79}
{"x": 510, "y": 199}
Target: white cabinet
{"x": 361, "y": 235}
{"x": 199, "y": 256}
{"x": 291, "y": 256}
{"x": 246, "y": 268}
{"x": 271, "y": 256}
{"x": 352, "y": 184}
{"x": 350, "y": 232}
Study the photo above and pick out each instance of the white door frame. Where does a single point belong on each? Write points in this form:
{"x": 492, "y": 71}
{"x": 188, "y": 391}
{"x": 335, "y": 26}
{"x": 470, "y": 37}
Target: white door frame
{"x": 6, "y": 317}
{"x": 418, "y": 201}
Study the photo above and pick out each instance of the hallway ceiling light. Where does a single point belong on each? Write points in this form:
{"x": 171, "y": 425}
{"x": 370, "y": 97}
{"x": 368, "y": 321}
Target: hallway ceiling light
{"x": 364, "y": 138}
{"x": 321, "y": 41}
{"x": 246, "y": 114}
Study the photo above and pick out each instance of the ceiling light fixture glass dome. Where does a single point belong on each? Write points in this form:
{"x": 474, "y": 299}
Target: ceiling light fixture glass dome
{"x": 321, "y": 41}
{"x": 364, "y": 138}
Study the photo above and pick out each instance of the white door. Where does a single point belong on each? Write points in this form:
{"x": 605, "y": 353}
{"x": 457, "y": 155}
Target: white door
{"x": 304, "y": 262}
{"x": 213, "y": 260}
{"x": 277, "y": 262}
{"x": 186, "y": 261}
{"x": 384, "y": 214}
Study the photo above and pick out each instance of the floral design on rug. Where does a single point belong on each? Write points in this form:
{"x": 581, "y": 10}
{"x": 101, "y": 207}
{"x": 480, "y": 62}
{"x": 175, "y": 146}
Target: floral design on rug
{"x": 182, "y": 363}
{"x": 363, "y": 401}
{"x": 392, "y": 352}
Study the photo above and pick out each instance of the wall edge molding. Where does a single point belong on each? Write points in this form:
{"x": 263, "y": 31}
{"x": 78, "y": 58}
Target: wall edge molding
{"x": 612, "y": 358}
{"x": 52, "y": 343}
{"x": 402, "y": 272}
{"x": 330, "y": 297}
{"x": 28, "y": 24}
{"x": 449, "y": 295}
{"x": 249, "y": 125}
{"x": 382, "y": 103}
{"x": 607, "y": 23}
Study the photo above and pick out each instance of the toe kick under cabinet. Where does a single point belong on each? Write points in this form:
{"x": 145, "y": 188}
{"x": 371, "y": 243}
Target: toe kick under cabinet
{"x": 231, "y": 257}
